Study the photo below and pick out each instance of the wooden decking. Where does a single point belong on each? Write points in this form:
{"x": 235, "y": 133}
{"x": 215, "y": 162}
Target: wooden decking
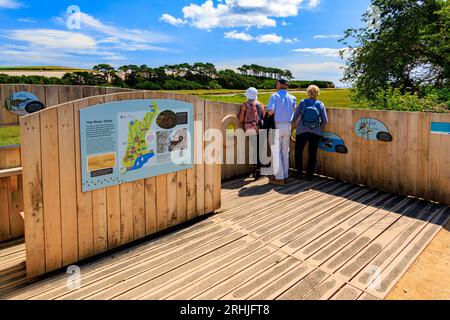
{"x": 308, "y": 240}
{"x": 12, "y": 265}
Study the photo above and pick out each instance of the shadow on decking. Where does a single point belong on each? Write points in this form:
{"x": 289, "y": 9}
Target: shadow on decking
{"x": 402, "y": 205}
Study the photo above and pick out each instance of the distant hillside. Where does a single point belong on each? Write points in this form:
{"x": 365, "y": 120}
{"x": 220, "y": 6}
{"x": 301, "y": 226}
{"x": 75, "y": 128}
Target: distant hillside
{"x": 42, "y": 68}
{"x": 199, "y": 76}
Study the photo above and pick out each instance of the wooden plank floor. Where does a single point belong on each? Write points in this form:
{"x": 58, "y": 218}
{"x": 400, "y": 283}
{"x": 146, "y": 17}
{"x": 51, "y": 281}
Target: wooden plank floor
{"x": 12, "y": 265}
{"x": 322, "y": 239}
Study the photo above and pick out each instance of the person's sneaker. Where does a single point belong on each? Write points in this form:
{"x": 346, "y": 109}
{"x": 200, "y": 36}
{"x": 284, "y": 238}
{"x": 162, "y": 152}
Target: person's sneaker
{"x": 277, "y": 182}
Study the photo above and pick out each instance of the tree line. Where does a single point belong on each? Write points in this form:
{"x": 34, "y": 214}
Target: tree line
{"x": 172, "y": 77}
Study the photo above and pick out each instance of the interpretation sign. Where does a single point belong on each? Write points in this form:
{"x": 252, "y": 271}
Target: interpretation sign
{"x": 373, "y": 130}
{"x": 440, "y": 128}
{"x": 23, "y": 103}
{"x": 125, "y": 141}
{"x": 333, "y": 143}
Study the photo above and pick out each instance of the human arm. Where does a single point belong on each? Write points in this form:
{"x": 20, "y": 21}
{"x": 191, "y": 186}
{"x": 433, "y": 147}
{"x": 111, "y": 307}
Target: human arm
{"x": 242, "y": 113}
{"x": 297, "y": 114}
{"x": 324, "y": 117}
{"x": 263, "y": 109}
{"x": 271, "y": 106}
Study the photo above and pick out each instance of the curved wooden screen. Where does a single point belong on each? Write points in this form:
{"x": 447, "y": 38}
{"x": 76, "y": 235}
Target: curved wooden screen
{"x": 11, "y": 203}
{"x": 64, "y": 225}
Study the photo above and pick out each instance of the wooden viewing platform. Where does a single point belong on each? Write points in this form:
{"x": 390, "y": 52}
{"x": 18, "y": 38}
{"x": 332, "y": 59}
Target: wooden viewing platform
{"x": 323, "y": 239}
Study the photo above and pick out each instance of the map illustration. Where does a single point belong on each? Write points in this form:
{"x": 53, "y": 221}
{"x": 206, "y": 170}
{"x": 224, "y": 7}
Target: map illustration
{"x": 131, "y": 140}
{"x": 140, "y": 139}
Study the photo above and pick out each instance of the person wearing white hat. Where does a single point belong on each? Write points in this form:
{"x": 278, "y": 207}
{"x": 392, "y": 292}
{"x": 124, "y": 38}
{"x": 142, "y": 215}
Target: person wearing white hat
{"x": 251, "y": 116}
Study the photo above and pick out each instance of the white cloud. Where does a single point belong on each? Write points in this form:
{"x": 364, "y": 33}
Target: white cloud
{"x": 264, "y": 38}
{"x": 269, "y": 38}
{"x": 312, "y": 4}
{"x": 238, "y": 36}
{"x": 10, "y": 4}
{"x": 328, "y": 36}
{"x": 133, "y": 35}
{"x": 31, "y": 55}
{"x": 327, "y": 52}
{"x": 172, "y": 20}
{"x": 95, "y": 41}
{"x": 328, "y": 70}
{"x": 27, "y": 20}
{"x": 53, "y": 39}
{"x": 241, "y": 13}
{"x": 317, "y": 67}
{"x": 293, "y": 40}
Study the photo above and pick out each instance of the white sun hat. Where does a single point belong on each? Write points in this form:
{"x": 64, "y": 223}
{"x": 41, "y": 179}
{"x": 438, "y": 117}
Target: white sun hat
{"x": 251, "y": 93}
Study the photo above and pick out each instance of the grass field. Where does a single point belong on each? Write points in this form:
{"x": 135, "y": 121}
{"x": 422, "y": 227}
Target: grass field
{"x": 332, "y": 98}
{"x": 9, "y": 136}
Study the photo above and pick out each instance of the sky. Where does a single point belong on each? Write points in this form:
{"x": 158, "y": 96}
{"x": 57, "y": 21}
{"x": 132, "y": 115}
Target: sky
{"x": 299, "y": 35}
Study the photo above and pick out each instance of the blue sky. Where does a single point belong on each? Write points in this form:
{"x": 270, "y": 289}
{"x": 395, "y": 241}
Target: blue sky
{"x": 299, "y": 35}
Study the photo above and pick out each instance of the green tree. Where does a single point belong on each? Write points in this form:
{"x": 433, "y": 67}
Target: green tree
{"x": 404, "y": 45}
{"x": 105, "y": 71}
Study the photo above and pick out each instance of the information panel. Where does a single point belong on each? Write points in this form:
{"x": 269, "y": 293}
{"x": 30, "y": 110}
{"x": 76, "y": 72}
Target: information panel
{"x": 440, "y": 128}
{"x": 125, "y": 141}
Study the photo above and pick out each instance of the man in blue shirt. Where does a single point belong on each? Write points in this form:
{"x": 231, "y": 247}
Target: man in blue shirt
{"x": 310, "y": 119}
{"x": 282, "y": 106}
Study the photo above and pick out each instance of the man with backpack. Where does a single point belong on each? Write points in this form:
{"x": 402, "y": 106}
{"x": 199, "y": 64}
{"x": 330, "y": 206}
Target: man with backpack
{"x": 310, "y": 119}
{"x": 281, "y": 106}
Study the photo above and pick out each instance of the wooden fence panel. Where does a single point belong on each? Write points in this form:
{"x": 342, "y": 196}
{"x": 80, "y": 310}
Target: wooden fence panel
{"x": 411, "y": 160}
{"x": 391, "y": 158}
{"x": 84, "y": 199}
{"x": 423, "y": 151}
{"x": 191, "y": 176}
{"x": 199, "y": 154}
{"x": 51, "y": 189}
{"x": 15, "y": 203}
{"x": 67, "y": 176}
{"x": 75, "y": 225}
{"x": 6, "y": 116}
{"x": 217, "y": 115}
{"x": 33, "y": 198}
{"x": 11, "y": 196}
{"x": 444, "y": 182}
{"x": 434, "y": 161}
{"x": 5, "y": 228}
{"x": 209, "y": 156}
